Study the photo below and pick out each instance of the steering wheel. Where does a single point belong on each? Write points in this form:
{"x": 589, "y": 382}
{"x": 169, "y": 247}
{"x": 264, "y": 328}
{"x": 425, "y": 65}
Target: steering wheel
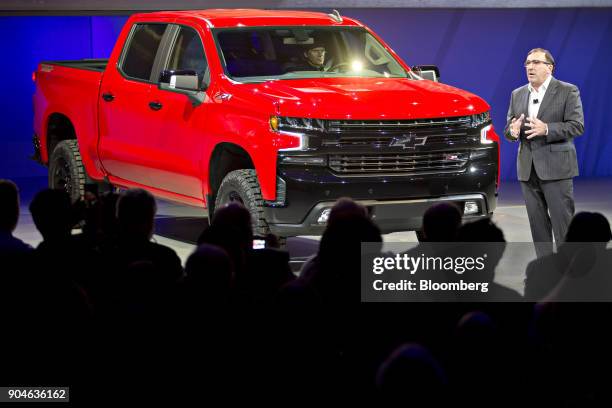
{"x": 341, "y": 64}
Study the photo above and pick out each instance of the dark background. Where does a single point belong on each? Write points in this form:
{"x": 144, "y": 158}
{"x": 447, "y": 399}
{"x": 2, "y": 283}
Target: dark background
{"x": 480, "y": 50}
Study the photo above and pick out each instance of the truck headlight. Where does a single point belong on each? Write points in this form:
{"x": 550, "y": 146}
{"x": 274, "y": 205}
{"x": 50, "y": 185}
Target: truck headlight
{"x": 284, "y": 123}
{"x": 300, "y": 128}
{"x": 480, "y": 119}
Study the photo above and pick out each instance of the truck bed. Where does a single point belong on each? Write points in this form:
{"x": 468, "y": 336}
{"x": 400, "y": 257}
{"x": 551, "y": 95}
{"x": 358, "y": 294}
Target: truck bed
{"x": 71, "y": 89}
{"x": 90, "y": 64}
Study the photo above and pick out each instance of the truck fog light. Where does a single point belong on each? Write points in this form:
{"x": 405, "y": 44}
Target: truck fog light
{"x": 470, "y": 207}
{"x": 324, "y": 216}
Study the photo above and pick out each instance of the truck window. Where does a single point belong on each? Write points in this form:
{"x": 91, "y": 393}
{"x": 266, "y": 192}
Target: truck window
{"x": 188, "y": 54}
{"x": 140, "y": 54}
{"x": 256, "y": 54}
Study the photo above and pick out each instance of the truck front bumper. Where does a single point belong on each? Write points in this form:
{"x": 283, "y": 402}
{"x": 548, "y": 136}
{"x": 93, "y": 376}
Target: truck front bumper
{"x": 396, "y": 203}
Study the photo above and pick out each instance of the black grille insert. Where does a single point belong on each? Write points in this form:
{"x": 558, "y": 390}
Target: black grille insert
{"x": 399, "y": 163}
{"x": 438, "y": 132}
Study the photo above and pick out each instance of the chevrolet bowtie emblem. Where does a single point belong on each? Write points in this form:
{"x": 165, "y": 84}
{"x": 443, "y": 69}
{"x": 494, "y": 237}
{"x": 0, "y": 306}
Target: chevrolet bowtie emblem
{"x": 408, "y": 141}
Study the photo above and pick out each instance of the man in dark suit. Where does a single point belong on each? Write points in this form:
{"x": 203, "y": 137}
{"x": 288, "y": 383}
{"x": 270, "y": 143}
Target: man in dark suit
{"x": 544, "y": 116}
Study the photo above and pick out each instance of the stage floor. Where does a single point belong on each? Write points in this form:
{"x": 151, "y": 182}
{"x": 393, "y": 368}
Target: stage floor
{"x": 178, "y": 226}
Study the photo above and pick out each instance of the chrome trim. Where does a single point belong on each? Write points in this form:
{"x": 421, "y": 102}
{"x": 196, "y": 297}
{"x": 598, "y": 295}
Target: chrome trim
{"x": 423, "y": 200}
{"x": 339, "y": 125}
{"x": 411, "y": 174}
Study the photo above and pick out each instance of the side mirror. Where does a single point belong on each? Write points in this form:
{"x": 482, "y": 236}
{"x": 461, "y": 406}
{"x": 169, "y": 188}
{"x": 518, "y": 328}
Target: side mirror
{"x": 184, "y": 82}
{"x": 430, "y": 72}
{"x": 182, "y": 79}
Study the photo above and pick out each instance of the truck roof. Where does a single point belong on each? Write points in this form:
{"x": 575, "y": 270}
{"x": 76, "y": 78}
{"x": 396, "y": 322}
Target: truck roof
{"x": 254, "y": 17}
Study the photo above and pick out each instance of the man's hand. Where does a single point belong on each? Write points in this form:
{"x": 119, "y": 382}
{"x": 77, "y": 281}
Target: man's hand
{"x": 515, "y": 126}
{"x": 537, "y": 128}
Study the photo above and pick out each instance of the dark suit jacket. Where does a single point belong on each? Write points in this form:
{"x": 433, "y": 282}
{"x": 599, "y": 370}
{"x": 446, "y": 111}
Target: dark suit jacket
{"x": 554, "y": 155}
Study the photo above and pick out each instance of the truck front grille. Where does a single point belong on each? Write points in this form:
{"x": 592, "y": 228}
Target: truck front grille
{"x": 433, "y": 133}
{"x": 399, "y": 163}
{"x": 383, "y": 141}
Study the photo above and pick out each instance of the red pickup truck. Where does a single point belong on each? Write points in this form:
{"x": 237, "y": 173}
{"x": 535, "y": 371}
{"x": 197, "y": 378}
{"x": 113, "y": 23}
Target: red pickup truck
{"x": 284, "y": 111}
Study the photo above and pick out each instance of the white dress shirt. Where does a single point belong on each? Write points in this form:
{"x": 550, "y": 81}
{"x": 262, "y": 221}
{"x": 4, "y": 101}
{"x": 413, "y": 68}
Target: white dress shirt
{"x": 534, "y": 107}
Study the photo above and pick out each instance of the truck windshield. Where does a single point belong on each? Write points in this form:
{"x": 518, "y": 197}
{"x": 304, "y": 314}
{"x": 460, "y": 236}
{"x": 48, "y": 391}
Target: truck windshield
{"x": 258, "y": 54}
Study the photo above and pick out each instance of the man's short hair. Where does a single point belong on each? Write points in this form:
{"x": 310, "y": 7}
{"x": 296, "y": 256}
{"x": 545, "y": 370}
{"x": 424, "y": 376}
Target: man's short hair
{"x": 9, "y": 205}
{"x": 441, "y": 222}
{"x": 547, "y": 55}
{"x": 309, "y": 47}
{"x": 136, "y": 209}
{"x": 318, "y": 41}
{"x": 588, "y": 227}
{"x": 235, "y": 216}
{"x": 52, "y": 213}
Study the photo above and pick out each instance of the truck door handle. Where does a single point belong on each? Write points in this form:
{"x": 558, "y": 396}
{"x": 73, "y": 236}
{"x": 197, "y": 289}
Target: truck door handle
{"x": 108, "y": 97}
{"x": 155, "y": 106}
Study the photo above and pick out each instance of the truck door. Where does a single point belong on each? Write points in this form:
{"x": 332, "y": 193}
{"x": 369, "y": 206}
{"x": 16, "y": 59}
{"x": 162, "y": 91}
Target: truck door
{"x": 125, "y": 111}
{"x": 178, "y": 128}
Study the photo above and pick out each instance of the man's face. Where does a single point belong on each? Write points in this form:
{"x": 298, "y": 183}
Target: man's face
{"x": 316, "y": 56}
{"x": 537, "y": 68}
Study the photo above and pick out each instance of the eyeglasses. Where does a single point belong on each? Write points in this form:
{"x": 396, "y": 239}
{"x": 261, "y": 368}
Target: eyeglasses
{"x": 535, "y": 62}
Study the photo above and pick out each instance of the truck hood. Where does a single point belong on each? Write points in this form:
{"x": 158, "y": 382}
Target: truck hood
{"x": 367, "y": 98}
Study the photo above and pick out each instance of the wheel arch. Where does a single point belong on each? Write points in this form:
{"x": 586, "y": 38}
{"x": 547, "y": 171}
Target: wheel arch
{"x": 59, "y": 127}
{"x": 225, "y": 158}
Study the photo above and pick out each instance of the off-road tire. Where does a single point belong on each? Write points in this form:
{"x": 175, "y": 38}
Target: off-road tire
{"x": 242, "y": 186}
{"x": 66, "y": 170}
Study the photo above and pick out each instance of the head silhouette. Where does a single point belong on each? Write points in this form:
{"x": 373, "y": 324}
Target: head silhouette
{"x": 9, "y": 206}
{"x": 337, "y": 278}
{"x": 440, "y": 222}
{"x": 209, "y": 271}
{"x": 348, "y": 226}
{"x": 588, "y": 227}
{"x": 346, "y": 207}
{"x": 136, "y": 210}
{"x": 483, "y": 230}
{"x": 52, "y": 214}
{"x": 411, "y": 370}
{"x": 234, "y": 216}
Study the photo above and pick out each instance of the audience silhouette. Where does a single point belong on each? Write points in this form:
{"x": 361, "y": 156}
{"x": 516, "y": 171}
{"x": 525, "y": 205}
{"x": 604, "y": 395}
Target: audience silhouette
{"x": 543, "y": 274}
{"x": 412, "y": 376}
{"x": 106, "y": 295}
{"x": 9, "y": 216}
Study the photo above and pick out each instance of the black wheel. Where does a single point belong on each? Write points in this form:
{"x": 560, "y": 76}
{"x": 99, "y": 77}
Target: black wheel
{"x": 66, "y": 171}
{"x": 242, "y": 186}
